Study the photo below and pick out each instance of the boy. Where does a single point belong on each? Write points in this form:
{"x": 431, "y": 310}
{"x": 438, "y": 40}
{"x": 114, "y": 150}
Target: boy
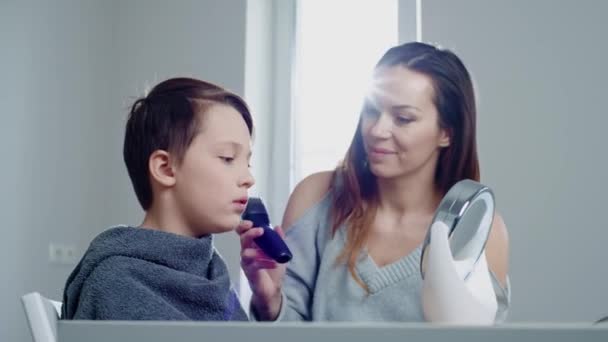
{"x": 187, "y": 149}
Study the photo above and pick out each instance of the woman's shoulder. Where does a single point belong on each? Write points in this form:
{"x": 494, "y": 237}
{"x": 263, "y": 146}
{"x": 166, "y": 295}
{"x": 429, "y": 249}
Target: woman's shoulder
{"x": 309, "y": 192}
{"x": 497, "y": 249}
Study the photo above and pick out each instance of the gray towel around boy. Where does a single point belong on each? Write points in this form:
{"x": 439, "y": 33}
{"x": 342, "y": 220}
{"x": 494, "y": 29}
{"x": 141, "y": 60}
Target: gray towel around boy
{"x": 142, "y": 274}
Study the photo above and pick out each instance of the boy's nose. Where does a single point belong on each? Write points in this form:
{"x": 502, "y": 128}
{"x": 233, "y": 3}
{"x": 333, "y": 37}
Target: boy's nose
{"x": 248, "y": 180}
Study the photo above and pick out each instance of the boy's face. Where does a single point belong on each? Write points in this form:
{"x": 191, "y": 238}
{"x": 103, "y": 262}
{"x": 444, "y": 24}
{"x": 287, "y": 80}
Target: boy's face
{"x": 213, "y": 178}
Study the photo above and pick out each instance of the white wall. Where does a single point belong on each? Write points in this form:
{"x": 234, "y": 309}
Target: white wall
{"x": 408, "y": 20}
{"x": 69, "y": 69}
{"x": 258, "y": 86}
{"x": 55, "y": 93}
{"x": 540, "y": 70}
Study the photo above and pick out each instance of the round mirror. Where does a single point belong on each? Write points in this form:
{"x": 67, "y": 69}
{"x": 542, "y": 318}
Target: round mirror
{"x": 468, "y": 211}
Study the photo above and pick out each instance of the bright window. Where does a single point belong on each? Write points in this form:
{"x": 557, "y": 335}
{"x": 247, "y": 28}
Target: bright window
{"x": 338, "y": 44}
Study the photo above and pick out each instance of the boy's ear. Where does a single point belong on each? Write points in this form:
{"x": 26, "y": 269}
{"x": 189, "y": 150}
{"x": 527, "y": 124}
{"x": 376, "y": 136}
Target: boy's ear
{"x": 161, "y": 169}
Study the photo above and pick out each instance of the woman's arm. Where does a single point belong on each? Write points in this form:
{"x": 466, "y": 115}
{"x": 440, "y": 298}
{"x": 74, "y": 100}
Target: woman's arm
{"x": 279, "y": 292}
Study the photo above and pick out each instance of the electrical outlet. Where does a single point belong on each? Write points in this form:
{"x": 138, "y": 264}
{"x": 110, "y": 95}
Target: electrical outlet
{"x": 62, "y": 254}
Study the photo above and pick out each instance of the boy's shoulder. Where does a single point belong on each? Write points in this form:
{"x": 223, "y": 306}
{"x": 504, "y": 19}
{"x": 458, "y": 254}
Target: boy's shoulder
{"x": 116, "y": 269}
{"x": 118, "y": 264}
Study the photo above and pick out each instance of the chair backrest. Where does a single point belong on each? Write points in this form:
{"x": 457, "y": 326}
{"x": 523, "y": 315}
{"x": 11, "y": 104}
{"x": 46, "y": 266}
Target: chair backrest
{"x": 42, "y": 315}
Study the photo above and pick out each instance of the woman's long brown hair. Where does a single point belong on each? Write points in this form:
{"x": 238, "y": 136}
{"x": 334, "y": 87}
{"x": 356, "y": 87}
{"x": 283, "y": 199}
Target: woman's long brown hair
{"x": 354, "y": 187}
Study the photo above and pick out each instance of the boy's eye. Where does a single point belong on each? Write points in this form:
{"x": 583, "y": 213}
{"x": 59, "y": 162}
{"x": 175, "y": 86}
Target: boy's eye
{"x": 227, "y": 160}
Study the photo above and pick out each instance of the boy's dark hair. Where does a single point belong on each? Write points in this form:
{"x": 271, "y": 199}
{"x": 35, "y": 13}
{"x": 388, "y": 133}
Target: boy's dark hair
{"x": 166, "y": 119}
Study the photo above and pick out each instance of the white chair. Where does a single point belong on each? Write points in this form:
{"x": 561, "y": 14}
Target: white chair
{"x": 42, "y": 315}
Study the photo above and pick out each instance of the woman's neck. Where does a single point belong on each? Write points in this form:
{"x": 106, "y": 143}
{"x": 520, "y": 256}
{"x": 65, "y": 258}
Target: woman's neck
{"x": 408, "y": 194}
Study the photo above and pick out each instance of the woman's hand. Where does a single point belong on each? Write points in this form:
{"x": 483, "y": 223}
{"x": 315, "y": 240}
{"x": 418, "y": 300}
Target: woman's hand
{"x": 265, "y": 275}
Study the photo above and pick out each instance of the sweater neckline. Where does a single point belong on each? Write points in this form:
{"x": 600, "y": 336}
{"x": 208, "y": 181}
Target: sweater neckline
{"x": 377, "y": 278}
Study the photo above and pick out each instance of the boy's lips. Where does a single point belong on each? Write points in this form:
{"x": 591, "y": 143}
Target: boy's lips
{"x": 240, "y": 203}
{"x": 242, "y": 200}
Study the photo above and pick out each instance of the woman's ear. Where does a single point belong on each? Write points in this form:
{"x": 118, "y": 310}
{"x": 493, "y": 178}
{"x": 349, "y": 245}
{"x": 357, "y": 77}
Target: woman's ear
{"x": 445, "y": 137}
{"x": 161, "y": 169}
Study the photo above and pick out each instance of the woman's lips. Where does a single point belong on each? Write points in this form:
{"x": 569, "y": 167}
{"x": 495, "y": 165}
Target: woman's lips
{"x": 378, "y": 153}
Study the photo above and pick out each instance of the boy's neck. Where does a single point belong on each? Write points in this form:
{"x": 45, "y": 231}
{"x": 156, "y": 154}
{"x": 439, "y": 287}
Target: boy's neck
{"x": 166, "y": 223}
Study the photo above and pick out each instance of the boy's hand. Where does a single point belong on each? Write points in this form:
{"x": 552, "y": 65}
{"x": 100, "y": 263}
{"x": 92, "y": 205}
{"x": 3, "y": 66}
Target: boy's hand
{"x": 265, "y": 275}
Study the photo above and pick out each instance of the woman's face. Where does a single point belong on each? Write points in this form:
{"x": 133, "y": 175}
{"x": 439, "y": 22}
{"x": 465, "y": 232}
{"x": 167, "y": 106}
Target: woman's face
{"x": 400, "y": 124}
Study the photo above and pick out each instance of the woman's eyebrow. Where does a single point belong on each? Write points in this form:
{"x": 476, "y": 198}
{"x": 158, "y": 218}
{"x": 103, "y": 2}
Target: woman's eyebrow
{"x": 405, "y": 107}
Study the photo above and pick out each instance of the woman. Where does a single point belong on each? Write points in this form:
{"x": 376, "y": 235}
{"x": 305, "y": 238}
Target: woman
{"x": 356, "y": 232}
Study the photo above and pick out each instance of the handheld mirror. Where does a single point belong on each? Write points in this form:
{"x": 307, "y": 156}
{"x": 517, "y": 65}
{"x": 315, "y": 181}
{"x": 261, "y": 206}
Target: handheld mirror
{"x": 468, "y": 210}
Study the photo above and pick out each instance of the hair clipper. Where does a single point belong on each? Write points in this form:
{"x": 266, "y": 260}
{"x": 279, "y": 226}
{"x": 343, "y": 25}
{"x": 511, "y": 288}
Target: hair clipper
{"x": 271, "y": 242}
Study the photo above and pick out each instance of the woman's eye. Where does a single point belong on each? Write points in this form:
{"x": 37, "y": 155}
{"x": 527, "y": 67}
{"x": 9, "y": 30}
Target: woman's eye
{"x": 402, "y": 120}
{"x": 227, "y": 160}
